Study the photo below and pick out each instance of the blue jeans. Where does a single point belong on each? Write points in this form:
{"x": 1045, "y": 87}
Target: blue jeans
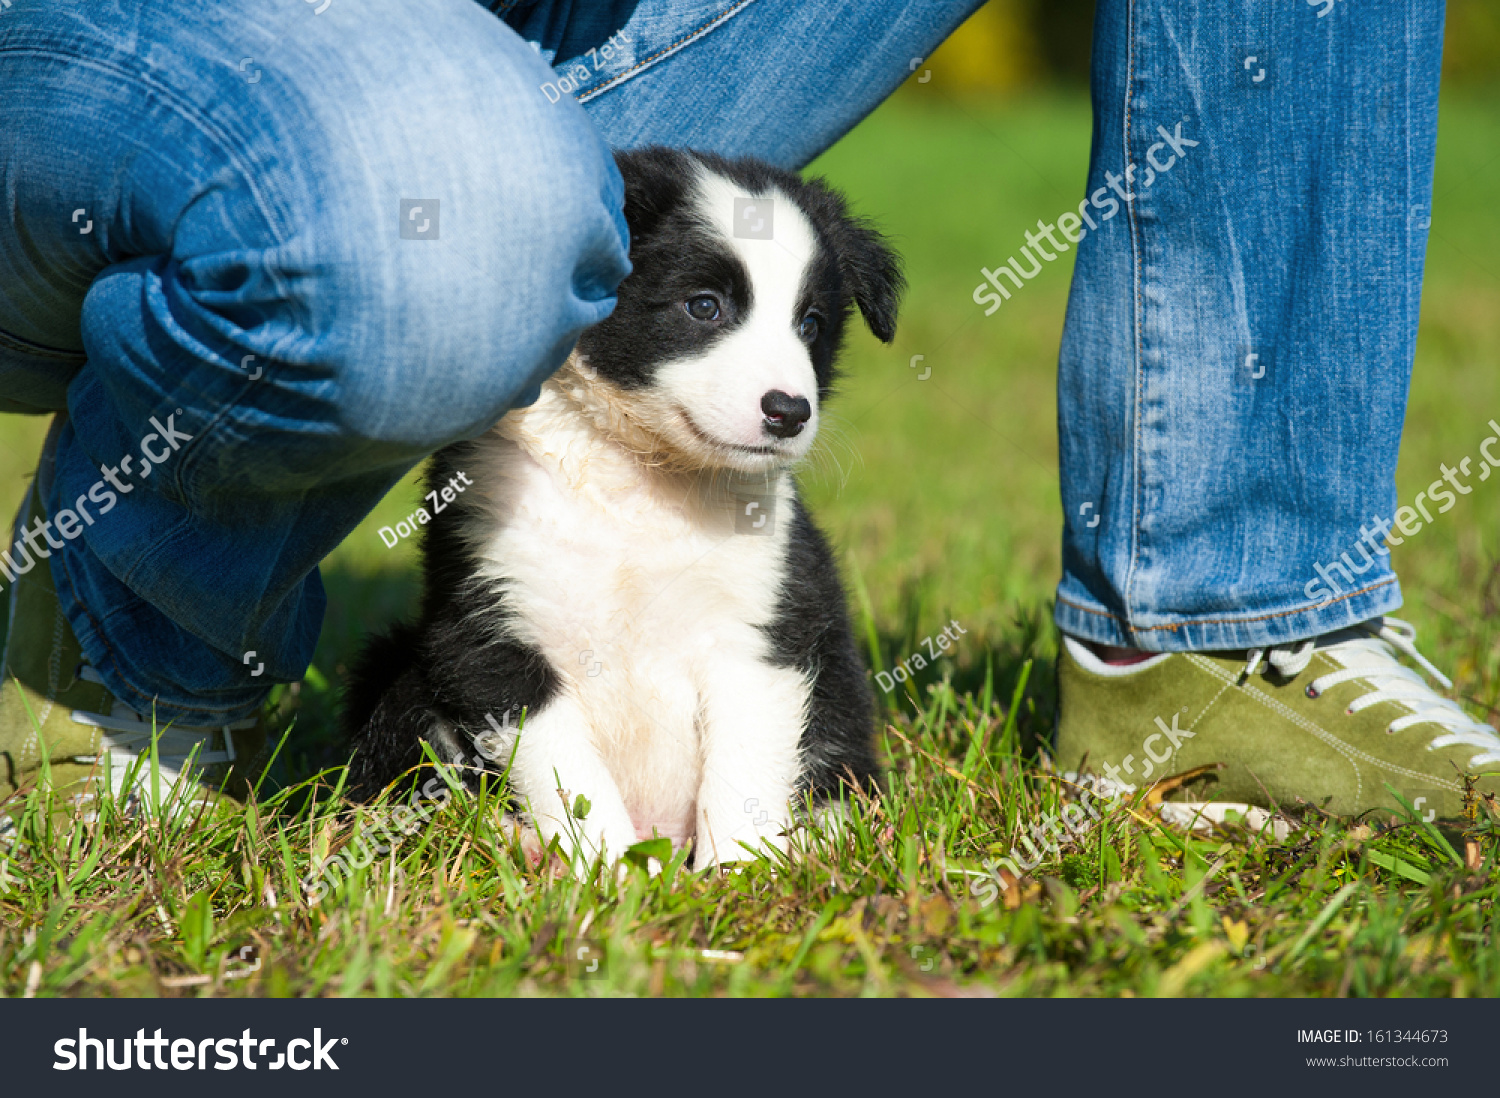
{"x": 1240, "y": 332}
{"x": 268, "y": 256}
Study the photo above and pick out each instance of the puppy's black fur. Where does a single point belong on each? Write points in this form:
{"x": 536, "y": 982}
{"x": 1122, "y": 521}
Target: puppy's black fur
{"x": 447, "y": 670}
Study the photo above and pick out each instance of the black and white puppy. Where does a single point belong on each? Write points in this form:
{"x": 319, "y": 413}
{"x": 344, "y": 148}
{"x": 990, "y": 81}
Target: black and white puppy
{"x": 629, "y": 564}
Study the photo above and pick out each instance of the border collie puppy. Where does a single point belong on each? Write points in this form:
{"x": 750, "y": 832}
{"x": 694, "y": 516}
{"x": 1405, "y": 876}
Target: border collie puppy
{"x": 626, "y": 607}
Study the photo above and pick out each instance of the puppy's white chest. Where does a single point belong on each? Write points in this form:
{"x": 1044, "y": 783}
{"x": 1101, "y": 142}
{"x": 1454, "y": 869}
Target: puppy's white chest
{"x": 642, "y": 596}
{"x": 611, "y": 563}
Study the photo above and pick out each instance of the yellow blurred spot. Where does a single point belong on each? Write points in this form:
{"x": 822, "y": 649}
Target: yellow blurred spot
{"x": 1238, "y": 933}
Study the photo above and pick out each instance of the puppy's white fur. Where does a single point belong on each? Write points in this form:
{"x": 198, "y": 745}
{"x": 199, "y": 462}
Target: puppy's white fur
{"x": 630, "y": 578}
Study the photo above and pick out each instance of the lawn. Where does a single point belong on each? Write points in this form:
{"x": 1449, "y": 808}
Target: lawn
{"x": 941, "y": 494}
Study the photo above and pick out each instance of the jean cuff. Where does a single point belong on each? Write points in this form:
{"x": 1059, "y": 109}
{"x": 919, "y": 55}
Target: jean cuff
{"x": 1213, "y": 631}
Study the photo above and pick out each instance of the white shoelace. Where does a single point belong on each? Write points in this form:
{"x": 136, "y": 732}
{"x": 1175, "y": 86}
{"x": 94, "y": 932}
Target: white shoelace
{"x": 125, "y": 736}
{"x": 1373, "y": 659}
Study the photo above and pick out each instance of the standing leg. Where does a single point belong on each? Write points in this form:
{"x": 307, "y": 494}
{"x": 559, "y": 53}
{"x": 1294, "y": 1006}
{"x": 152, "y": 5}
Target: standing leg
{"x": 1231, "y": 391}
{"x": 1240, "y": 331}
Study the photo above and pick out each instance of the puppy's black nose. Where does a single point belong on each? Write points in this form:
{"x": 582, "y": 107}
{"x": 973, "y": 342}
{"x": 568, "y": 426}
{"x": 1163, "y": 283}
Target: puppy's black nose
{"x": 785, "y": 414}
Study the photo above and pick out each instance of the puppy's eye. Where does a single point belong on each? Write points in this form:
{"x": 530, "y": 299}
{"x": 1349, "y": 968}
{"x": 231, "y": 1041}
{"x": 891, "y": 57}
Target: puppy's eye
{"x": 702, "y": 307}
{"x": 809, "y": 328}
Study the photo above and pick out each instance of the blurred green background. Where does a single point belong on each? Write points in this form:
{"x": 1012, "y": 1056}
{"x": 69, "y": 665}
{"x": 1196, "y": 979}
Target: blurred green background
{"x": 941, "y": 494}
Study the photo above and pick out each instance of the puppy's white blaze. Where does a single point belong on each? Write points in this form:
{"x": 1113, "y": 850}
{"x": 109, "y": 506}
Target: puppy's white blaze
{"x": 723, "y": 387}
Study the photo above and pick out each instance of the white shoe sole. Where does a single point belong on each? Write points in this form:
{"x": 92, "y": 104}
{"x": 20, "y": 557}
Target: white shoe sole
{"x": 1195, "y": 815}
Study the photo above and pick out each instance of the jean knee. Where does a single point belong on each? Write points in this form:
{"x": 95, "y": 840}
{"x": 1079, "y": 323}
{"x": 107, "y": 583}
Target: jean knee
{"x": 454, "y": 234}
{"x": 480, "y": 305}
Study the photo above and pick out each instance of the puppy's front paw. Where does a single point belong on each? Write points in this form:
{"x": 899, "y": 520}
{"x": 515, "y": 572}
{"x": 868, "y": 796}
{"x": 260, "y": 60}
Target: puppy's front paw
{"x": 585, "y": 846}
{"x": 745, "y": 845}
{"x": 531, "y": 844}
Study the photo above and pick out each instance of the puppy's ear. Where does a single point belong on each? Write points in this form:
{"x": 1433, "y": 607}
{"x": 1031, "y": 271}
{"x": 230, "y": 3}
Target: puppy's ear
{"x": 874, "y": 273}
{"x": 869, "y": 266}
{"x": 654, "y": 181}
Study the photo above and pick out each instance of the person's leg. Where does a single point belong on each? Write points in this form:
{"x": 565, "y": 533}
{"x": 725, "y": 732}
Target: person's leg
{"x": 774, "y": 80}
{"x": 1240, "y": 334}
{"x": 270, "y": 258}
{"x": 1231, "y": 390}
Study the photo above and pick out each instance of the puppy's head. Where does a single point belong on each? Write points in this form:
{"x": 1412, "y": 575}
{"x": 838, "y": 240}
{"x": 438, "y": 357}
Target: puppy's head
{"x": 721, "y": 350}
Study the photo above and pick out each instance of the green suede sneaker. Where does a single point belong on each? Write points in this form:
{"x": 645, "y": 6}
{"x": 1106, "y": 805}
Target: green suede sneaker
{"x": 61, "y": 727}
{"x": 1330, "y": 722}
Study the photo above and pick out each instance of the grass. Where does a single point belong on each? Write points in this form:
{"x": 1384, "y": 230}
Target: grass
{"x": 943, "y": 495}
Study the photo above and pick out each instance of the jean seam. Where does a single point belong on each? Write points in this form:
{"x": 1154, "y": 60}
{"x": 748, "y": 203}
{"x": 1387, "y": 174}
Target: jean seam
{"x": 1135, "y": 290}
{"x": 39, "y": 350}
{"x": 620, "y": 78}
{"x": 1173, "y": 627}
{"x": 1411, "y": 312}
